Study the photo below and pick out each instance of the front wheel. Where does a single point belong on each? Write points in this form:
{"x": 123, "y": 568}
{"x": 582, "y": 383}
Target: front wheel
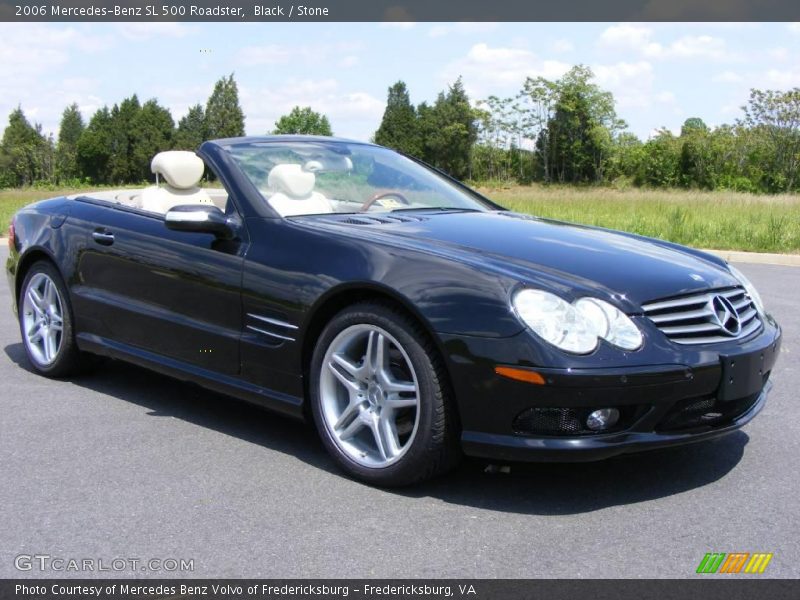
{"x": 45, "y": 322}
{"x": 380, "y": 399}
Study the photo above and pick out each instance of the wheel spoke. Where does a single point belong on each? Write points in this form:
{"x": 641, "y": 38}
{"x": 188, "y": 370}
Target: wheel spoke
{"x": 353, "y": 428}
{"x": 49, "y": 294}
{"x": 50, "y": 348}
{"x": 396, "y": 401}
{"x": 351, "y": 410}
{"x": 36, "y": 302}
{"x": 36, "y": 334}
{"x": 385, "y": 434}
{"x": 343, "y": 373}
{"x": 377, "y": 353}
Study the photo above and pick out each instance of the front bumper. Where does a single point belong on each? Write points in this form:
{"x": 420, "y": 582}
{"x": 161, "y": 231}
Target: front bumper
{"x": 732, "y": 380}
{"x": 597, "y": 447}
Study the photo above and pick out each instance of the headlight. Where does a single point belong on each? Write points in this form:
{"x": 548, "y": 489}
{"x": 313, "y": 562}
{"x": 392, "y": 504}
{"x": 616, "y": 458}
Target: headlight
{"x": 576, "y": 327}
{"x": 749, "y": 288}
{"x": 610, "y": 323}
{"x": 555, "y": 320}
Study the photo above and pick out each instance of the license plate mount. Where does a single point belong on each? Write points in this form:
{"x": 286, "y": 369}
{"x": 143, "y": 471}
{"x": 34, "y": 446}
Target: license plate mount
{"x": 742, "y": 375}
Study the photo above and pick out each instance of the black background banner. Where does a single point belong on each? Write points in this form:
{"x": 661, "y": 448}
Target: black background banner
{"x": 400, "y": 10}
{"x": 706, "y": 588}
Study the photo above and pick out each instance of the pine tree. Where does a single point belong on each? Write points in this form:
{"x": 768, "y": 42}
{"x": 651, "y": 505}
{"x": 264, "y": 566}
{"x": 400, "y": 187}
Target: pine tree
{"x": 191, "y": 129}
{"x": 152, "y": 131}
{"x": 448, "y": 131}
{"x": 224, "y": 116}
{"x": 26, "y": 155}
{"x": 67, "y": 149}
{"x": 94, "y": 147}
{"x": 399, "y": 128}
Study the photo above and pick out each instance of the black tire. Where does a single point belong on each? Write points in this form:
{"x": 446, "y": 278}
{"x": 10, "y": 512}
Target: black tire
{"x": 435, "y": 447}
{"x": 68, "y": 359}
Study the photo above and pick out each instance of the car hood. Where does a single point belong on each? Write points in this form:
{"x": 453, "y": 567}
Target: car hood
{"x": 556, "y": 254}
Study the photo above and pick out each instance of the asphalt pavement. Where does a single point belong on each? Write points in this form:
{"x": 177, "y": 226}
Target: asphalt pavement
{"x": 128, "y": 464}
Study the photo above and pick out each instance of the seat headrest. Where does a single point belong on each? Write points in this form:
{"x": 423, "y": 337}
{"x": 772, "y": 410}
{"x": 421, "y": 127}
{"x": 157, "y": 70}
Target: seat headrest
{"x": 181, "y": 169}
{"x": 292, "y": 180}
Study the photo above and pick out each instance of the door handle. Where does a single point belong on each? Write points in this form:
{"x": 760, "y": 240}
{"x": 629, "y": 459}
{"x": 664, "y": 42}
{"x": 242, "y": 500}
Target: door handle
{"x": 103, "y": 237}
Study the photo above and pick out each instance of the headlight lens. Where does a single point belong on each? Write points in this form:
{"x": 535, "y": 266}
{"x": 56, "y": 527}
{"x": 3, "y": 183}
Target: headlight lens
{"x": 610, "y": 323}
{"x": 576, "y": 327}
{"x": 555, "y": 320}
{"x": 749, "y": 288}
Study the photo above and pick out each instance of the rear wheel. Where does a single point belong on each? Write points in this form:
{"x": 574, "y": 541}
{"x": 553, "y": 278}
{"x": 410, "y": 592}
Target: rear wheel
{"x": 379, "y": 397}
{"x": 45, "y": 320}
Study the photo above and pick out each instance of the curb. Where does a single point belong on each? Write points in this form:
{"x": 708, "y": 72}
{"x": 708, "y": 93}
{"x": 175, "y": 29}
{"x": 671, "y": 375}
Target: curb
{"x": 756, "y": 258}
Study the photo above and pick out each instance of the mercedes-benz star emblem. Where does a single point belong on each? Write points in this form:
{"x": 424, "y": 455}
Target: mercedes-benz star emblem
{"x": 724, "y": 315}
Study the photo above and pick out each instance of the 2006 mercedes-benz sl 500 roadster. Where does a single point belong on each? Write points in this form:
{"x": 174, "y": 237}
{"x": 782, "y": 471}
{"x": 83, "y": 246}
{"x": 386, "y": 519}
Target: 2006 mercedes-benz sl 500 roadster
{"x": 410, "y": 318}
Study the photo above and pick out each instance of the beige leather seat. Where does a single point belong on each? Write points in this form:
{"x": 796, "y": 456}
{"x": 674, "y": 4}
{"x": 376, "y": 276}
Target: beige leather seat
{"x": 181, "y": 172}
{"x": 294, "y": 192}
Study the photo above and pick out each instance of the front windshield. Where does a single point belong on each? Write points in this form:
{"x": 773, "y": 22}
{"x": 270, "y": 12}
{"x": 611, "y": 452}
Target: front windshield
{"x": 320, "y": 177}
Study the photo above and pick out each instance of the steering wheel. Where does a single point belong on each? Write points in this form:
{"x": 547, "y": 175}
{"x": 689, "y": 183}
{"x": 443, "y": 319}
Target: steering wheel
{"x": 380, "y": 195}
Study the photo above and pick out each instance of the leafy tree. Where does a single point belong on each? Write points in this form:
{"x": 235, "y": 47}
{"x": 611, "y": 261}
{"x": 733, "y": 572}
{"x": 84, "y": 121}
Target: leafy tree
{"x": 579, "y": 135}
{"x": 67, "y": 149}
{"x": 151, "y": 132}
{"x": 398, "y": 128}
{"x": 94, "y": 147}
{"x": 775, "y": 117}
{"x": 449, "y": 131}
{"x": 191, "y": 129}
{"x": 224, "y": 116}
{"x": 26, "y": 154}
{"x": 304, "y": 121}
{"x": 121, "y": 165}
{"x": 660, "y": 161}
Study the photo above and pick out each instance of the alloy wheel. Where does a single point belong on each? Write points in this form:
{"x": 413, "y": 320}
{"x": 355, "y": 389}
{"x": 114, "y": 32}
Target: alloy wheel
{"x": 369, "y": 396}
{"x": 43, "y": 319}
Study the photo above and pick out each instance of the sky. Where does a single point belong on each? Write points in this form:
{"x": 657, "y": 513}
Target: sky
{"x": 660, "y": 74}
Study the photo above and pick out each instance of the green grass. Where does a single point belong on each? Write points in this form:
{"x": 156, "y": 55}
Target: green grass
{"x": 11, "y": 200}
{"x": 716, "y": 220}
{"x": 719, "y": 220}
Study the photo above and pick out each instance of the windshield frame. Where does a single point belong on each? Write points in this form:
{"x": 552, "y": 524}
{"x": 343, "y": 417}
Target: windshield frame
{"x": 262, "y": 207}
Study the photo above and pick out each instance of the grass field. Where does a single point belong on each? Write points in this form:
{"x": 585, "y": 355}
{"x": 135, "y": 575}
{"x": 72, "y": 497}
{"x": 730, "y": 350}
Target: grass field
{"x": 720, "y": 220}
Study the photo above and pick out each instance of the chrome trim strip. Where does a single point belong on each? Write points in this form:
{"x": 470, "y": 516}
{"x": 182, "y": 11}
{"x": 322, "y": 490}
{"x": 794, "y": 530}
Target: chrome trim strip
{"x": 269, "y": 333}
{"x": 275, "y": 322}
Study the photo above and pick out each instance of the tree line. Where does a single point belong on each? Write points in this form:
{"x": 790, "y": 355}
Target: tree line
{"x": 567, "y": 131}
{"x": 552, "y": 131}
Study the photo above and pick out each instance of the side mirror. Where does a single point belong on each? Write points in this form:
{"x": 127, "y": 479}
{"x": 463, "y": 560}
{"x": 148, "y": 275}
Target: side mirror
{"x": 200, "y": 218}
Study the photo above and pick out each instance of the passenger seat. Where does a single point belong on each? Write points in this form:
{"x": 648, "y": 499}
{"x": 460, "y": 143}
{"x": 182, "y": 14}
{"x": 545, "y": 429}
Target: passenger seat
{"x": 182, "y": 172}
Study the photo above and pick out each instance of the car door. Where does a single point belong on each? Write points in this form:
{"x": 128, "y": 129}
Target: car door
{"x": 173, "y": 293}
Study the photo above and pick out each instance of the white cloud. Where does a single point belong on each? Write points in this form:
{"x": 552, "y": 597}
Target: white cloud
{"x": 341, "y": 53}
{"x": 631, "y": 37}
{"x": 626, "y": 36}
{"x": 271, "y": 54}
{"x": 794, "y": 27}
{"x": 727, "y": 77}
{"x": 352, "y": 113}
{"x": 140, "y": 32}
{"x": 782, "y": 78}
{"x": 461, "y": 28}
{"x": 488, "y": 69}
{"x": 562, "y": 46}
{"x": 630, "y": 82}
{"x": 32, "y": 59}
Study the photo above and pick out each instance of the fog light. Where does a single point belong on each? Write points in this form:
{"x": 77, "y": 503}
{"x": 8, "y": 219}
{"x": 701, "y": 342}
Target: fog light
{"x": 602, "y": 419}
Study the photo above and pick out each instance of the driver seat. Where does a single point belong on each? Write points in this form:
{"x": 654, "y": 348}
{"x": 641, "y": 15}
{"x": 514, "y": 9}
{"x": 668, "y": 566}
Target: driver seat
{"x": 182, "y": 172}
{"x": 294, "y": 192}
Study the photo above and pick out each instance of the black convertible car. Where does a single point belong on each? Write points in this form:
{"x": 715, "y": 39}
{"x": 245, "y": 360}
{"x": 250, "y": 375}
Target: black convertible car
{"x": 411, "y": 318}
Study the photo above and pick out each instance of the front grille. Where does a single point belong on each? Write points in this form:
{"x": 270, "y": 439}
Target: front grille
{"x": 697, "y": 318}
{"x": 705, "y": 411}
